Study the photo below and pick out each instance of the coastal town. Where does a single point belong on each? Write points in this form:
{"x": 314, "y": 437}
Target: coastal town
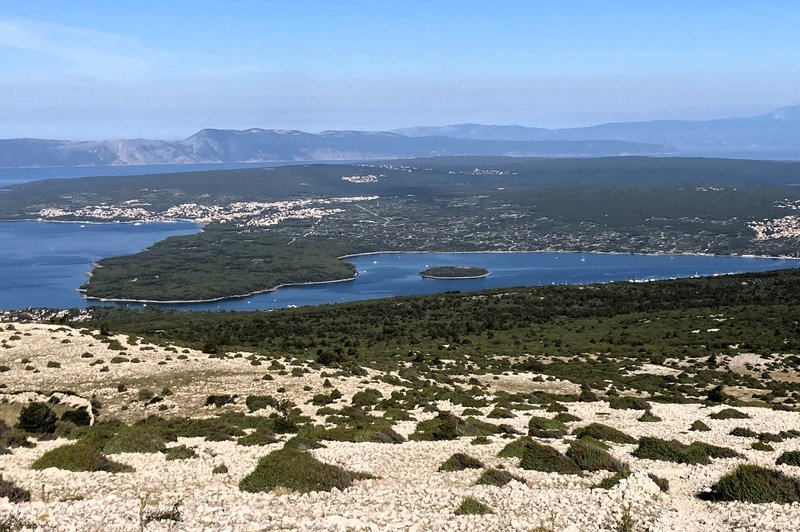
{"x": 240, "y": 213}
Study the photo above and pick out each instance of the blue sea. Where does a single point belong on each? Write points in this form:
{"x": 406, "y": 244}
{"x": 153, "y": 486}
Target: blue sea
{"x": 42, "y": 264}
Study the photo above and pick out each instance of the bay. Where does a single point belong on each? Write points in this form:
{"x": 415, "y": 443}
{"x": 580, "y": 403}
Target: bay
{"x": 42, "y": 264}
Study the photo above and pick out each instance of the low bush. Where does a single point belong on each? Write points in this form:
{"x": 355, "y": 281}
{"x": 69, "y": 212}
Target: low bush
{"x": 662, "y": 483}
{"x": 79, "y": 457}
{"x": 220, "y": 400}
{"x": 539, "y": 457}
{"x": 78, "y": 416}
{"x": 699, "y": 426}
{"x": 743, "y": 432}
{"x": 649, "y": 417}
{"x": 12, "y": 492}
{"x": 37, "y": 418}
{"x": 260, "y": 436}
{"x": 602, "y": 432}
{"x": 472, "y": 506}
{"x": 299, "y": 471}
{"x": 368, "y": 397}
{"x": 497, "y": 477}
{"x": 459, "y": 462}
{"x": 515, "y": 449}
{"x": 448, "y": 426}
{"x": 791, "y": 458}
{"x": 628, "y": 403}
{"x": 135, "y": 439}
{"x": 675, "y": 451}
{"x": 612, "y": 480}
{"x": 761, "y": 446}
{"x": 501, "y": 413}
{"x": 566, "y": 417}
{"x": 729, "y": 413}
{"x": 179, "y": 452}
{"x": 542, "y": 427}
{"x": 755, "y": 484}
{"x": 220, "y": 469}
{"x": 592, "y": 457}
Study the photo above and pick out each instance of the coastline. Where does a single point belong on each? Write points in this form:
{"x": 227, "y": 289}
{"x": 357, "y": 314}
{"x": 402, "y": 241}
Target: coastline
{"x": 212, "y": 300}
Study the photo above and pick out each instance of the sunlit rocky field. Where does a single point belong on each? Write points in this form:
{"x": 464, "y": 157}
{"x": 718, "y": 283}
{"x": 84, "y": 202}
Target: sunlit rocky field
{"x": 110, "y": 432}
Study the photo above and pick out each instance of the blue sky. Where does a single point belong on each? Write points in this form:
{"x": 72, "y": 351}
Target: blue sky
{"x": 164, "y": 69}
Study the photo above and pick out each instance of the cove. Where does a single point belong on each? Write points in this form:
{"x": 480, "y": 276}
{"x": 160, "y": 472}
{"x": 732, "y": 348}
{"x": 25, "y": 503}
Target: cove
{"x": 43, "y": 264}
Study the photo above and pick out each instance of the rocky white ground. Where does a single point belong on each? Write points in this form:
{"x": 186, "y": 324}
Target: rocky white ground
{"x": 408, "y": 493}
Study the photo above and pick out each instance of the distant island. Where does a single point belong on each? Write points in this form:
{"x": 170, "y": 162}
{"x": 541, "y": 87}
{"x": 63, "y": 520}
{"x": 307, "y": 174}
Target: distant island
{"x": 454, "y": 272}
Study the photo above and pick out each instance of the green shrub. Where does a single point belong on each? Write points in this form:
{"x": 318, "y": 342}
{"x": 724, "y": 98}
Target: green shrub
{"x": 173, "y": 513}
{"x": 761, "y": 446}
{"x": 699, "y": 426}
{"x": 542, "y": 427}
{"x": 299, "y": 471}
{"x": 566, "y": 417}
{"x": 602, "y": 432}
{"x": 37, "y": 418}
{"x": 78, "y": 416}
{"x": 258, "y": 402}
{"x": 472, "y": 506}
{"x": 791, "y": 458}
{"x": 662, "y": 483}
{"x": 675, "y": 451}
{"x": 179, "y": 452}
{"x": 501, "y": 413}
{"x": 53, "y": 364}
{"x": 729, "y": 413}
{"x": 591, "y": 457}
{"x": 448, "y": 426}
{"x": 13, "y": 493}
{"x": 480, "y": 440}
{"x": 539, "y": 457}
{"x": 626, "y": 402}
{"x": 220, "y": 469}
{"x": 79, "y": 457}
{"x": 515, "y": 449}
{"x": 135, "y": 439}
{"x": 755, "y": 484}
{"x": 145, "y": 395}
{"x": 459, "y": 462}
{"x": 649, "y": 417}
{"x": 367, "y": 398}
{"x": 743, "y": 432}
{"x": 220, "y": 400}
{"x": 611, "y": 481}
{"x": 260, "y": 436}
{"x": 497, "y": 477}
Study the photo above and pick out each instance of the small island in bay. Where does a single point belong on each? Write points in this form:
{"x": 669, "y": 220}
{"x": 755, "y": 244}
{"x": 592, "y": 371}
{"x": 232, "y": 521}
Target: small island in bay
{"x": 454, "y": 272}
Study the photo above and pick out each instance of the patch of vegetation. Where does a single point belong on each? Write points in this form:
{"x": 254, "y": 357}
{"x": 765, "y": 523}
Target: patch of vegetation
{"x": 675, "y": 451}
{"x": 260, "y": 436}
{"x": 625, "y": 402}
{"x": 179, "y": 452}
{"x": 602, "y": 432}
{"x": 472, "y": 506}
{"x": 743, "y": 432}
{"x": 172, "y": 513}
{"x": 515, "y": 449}
{"x": 37, "y": 418}
{"x": 699, "y": 426}
{"x": 649, "y": 417}
{"x": 761, "y": 446}
{"x": 755, "y": 484}
{"x": 729, "y": 413}
{"x": 79, "y": 457}
{"x": 566, "y": 417}
{"x": 220, "y": 400}
{"x": 497, "y": 477}
{"x": 539, "y": 457}
{"x": 609, "y": 482}
{"x": 791, "y": 458}
{"x": 542, "y": 427}
{"x": 12, "y": 492}
{"x": 589, "y": 456}
{"x": 135, "y": 439}
{"x": 459, "y": 462}
{"x": 454, "y": 272}
{"x": 662, "y": 483}
{"x": 299, "y": 471}
{"x": 448, "y": 426}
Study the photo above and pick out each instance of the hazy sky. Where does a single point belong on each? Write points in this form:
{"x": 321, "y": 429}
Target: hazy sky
{"x": 82, "y": 69}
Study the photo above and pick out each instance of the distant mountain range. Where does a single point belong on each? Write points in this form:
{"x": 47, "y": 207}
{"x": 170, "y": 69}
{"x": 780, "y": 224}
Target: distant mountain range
{"x": 773, "y": 135}
{"x": 760, "y": 136}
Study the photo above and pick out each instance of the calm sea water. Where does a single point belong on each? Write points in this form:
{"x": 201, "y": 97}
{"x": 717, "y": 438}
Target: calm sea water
{"x": 43, "y": 264}
{"x": 15, "y": 176}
